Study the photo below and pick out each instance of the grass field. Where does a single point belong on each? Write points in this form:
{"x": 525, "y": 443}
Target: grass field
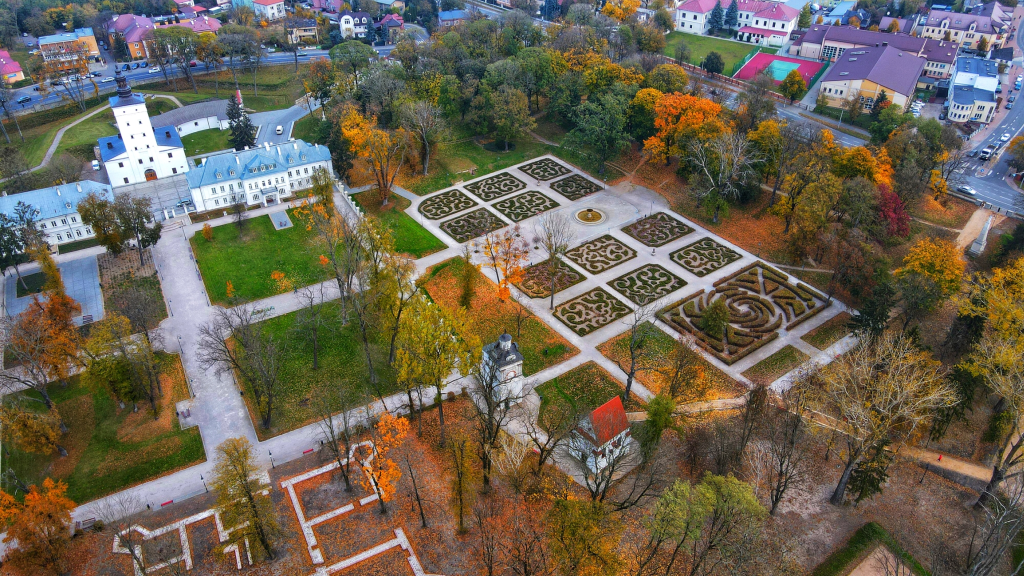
{"x": 582, "y": 389}
{"x": 276, "y": 87}
{"x": 342, "y": 367}
{"x": 111, "y": 448}
{"x": 247, "y": 259}
{"x": 77, "y": 245}
{"x": 410, "y": 237}
{"x": 656, "y": 357}
{"x": 206, "y": 141}
{"x": 540, "y": 345}
{"x": 832, "y": 331}
{"x": 305, "y": 129}
{"x": 150, "y": 284}
{"x": 33, "y": 282}
{"x": 732, "y": 52}
{"x": 773, "y": 367}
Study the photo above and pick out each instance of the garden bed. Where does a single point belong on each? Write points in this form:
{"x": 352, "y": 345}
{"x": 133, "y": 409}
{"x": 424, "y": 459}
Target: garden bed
{"x": 775, "y": 366}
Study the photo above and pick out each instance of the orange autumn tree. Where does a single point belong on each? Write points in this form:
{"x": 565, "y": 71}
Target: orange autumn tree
{"x": 680, "y": 119}
{"x": 507, "y": 252}
{"x": 40, "y": 526}
{"x": 381, "y": 473}
{"x": 229, "y": 289}
{"x": 281, "y": 282}
{"x": 620, "y": 9}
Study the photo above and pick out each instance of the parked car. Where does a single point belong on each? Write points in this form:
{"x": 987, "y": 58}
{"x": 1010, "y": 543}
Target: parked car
{"x": 965, "y": 189}
{"x": 973, "y": 154}
{"x": 154, "y": 70}
{"x": 24, "y": 99}
{"x": 108, "y": 79}
{"x": 1009, "y": 105}
{"x": 135, "y": 66}
{"x": 96, "y": 165}
{"x": 126, "y": 67}
{"x": 303, "y": 54}
{"x": 193, "y": 64}
{"x": 145, "y": 64}
{"x": 280, "y": 130}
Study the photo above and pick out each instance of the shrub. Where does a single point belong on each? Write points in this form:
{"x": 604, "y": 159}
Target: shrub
{"x": 714, "y": 318}
{"x": 208, "y": 232}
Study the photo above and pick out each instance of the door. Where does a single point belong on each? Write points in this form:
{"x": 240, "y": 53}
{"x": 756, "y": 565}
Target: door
{"x": 150, "y": 175}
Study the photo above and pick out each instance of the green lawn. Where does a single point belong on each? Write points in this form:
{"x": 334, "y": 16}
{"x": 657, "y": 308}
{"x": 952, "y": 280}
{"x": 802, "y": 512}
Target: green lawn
{"x": 248, "y": 259}
{"x": 150, "y": 284}
{"x": 832, "y": 331}
{"x": 276, "y": 87}
{"x": 864, "y": 539}
{"x": 454, "y": 160}
{"x": 77, "y": 245}
{"x": 342, "y": 367}
{"x": 81, "y": 139}
{"x": 206, "y": 141}
{"x": 410, "y": 237}
{"x": 110, "y": 448}
{"x": 305, "y": 129}
{"x": 582, "y": 389}
{"x": 34, "y": 283}
{"x": 732, "y": 52}
{"x": 773, "y": 367}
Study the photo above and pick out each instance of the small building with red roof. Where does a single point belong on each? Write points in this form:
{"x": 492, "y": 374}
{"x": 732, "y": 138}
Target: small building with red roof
{"x": 9, "y": 68}
{"x": 759, "y": 21}
{"x": 603, "y": 436}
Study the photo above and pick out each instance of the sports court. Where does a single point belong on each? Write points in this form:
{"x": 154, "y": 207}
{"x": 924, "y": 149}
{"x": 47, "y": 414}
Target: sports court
{"x": 778, "y": 67}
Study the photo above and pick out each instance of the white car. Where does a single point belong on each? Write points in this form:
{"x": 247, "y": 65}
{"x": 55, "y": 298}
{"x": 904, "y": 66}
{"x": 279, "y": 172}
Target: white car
{"x": 1004, "y": 137}
{"x": 154, "y": 70}
{"x": 965, "y": 189}
{"x": 108, "y": 79}
{"x": 96, "y": 165}
{"x": 280, "y": 130}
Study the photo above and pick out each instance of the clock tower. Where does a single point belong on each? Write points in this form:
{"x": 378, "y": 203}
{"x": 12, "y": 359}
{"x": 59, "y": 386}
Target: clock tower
{"x": 502, "y": 364}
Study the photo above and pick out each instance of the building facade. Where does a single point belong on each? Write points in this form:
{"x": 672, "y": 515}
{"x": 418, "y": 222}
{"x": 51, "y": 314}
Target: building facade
{"x": 212, "y": 115}
{"x": 827, "y": 43}
{"x": 10, "y": 69}
{"x": 760, "y": 21}
{"x": 136, "y": 31}
{"x": 602, "y": 437}
{"x": 58, "y": 218}
{"x": 258, "y": 176}
{"x": 502, "y": 364}
{"x": 354, "y": 24}
{"x": 269, "y": 10}
{"x": 972, "y": 96}
{"x": 449, "y": 18}
{"x": 302, "y": 30}
{"x": 69, "y": 50}
{"x": 964, "y": 29}
{"x": 139, "y": 152}
{"x": 864, "y": 73}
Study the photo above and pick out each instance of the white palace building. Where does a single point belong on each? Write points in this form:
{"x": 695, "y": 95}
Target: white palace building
{"x": 139, "y": 152}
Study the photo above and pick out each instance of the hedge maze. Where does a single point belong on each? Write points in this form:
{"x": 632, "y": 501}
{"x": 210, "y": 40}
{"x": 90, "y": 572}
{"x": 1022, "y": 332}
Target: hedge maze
{"x": 704, "y": 257}
{"x": 591, "y": 311}
{"x": 471, "y": 225}
{"x": 523, "y": 206}
{"x": 501, "y": 184}
{"x": 545, "y": 169}
{"x": 600, "y": 254}
{"x": 647, "y": 283}
{"x": 760, "y": 301}
{"x": 445, "y": 204}
{"x": 536, "y": 282}
{"x": 657, "y": 229}
{"x": 575, "y": 187}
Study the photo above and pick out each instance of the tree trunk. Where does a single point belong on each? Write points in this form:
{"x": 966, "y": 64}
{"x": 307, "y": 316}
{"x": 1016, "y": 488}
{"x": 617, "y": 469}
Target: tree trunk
{"x": 775, "y": 188}
{"x": 4, "y": 129}
{"x": 440, "y": 412}
{"x": 426, "y": 156}
{"x": 990, "y": 488}
{"x": 416, "y": 492}
{"x": 20, "y": 279}
{"x": 840, "y": 491}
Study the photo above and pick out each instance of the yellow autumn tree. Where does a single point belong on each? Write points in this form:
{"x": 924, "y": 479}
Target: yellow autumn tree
{"x": 381, "y": 473}
{"x": 620, "y": 9}
{"x": 282, "y": 282}
{"x": 937, "y": 260}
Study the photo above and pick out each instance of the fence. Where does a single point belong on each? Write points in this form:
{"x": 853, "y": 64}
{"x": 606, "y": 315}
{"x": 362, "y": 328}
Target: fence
{"x": 819, "y": 74}
{"x": 750, "y": 55}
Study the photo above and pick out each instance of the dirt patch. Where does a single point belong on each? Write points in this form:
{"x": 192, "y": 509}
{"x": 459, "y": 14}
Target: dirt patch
{"x": 953, "y": 214}
{"x": 80, "y": 418}
{"x": 141, "y": 426}
{"x": 973, "y": 227}
{"x": 116, "y": 268}
{"x": 117, "y": 461}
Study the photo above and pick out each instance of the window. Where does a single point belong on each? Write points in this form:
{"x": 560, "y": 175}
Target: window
{"x": 59, "y": 237}
{"x": 140, "y": 160}
{"x": 54, "y": 223}
{"x": 169, "y": 155}
{"x": 125, "y": 180}
{"x": 74, "y": 219}
{"x": 88, "y": 230}
{"x": 150, "y": 158}
{"x": 216, "y": 202}
{"x": 221, "y": 189}
{"x": 195, "y": 123}
{"x": 174, "y": 170}
{"x": 64, "y": 221}
{"x": 306, "y": 171}
{"x": 231, "y": 187}
{"x": 79, "y": 233}
{"x": 120, "y": 164}
{"x": 43, "y": 225}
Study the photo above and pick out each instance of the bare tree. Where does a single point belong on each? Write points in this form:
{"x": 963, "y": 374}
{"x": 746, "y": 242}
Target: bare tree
{"x": 493, "y": 400}
{"x": 600, "y": 473}
{"x": 238, "y": 214}
{"x": 556, "y": 235}
{"x": 426, "y": 123}
{"x": 311, "y": 319}
{"x": 724, "y": 166}
{"x": 549, "y": 429}
{"x": 121, "y": 512}
{"x": 1002, "y": 524}
{"x": 780, "y": 460}
{"x": 640, "y": 332}
{"x": 335, "y": 431}
{"x": 237, "y": 340}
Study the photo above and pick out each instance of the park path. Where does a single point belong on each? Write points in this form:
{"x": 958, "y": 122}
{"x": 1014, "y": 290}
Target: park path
{"x": 60, "y": 134}
{"x": 973, "y": 227}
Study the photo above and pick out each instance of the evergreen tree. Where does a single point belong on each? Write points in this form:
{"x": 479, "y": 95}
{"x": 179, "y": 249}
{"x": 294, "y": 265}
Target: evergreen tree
{"x": 713, "y": 63}
{"x": 243, "y": 132}
{"x": 732, "y": 16}
{"x": 805, "y": 17}
{"x": 717, "y": 18}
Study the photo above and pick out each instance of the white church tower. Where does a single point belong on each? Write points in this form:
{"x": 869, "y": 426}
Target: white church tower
{"x": 139, "y": 152}
{"x": 502, "y": 363}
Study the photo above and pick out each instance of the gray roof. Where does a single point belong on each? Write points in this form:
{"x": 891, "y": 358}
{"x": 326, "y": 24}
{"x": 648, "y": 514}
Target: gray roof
{"x": 193, "y": 112}
{"x": 968, "y": 95}
{"x": 933, "y": 50}
{"x": 976, "y": 65}
{"x": 113, "y": 146}
{"x": 884, "y": 65}
{"x": 256, "y": 162}
{"x": 502, "y": 358}
{"x": 55, "y": 200}
{"x": 1002, "y": 54}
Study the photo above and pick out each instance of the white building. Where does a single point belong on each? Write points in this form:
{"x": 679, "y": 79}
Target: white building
{"x": 196, "y": 117}
{"x": 972, "y": 97}
{"x": 258, "y": 176}
{"x": 269, "y": 10}
{"x": 760, "y": 21}
{"x": 58, "y": 216}
{"x": 139, "y": 152}
{"x": 354, "y": 24}
{"x": 603, "y": 436}
{"x": 502, "y": 363}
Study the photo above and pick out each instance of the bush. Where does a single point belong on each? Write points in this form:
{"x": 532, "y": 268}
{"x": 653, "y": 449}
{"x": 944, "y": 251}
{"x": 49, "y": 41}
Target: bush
{"x": 714, "y": 319}
{"x": 208, "y": 232}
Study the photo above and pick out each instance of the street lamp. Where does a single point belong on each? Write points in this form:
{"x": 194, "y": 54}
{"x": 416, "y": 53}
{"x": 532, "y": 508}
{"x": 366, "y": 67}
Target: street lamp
{"x": 204, "y": 482}
{"x": 271, "y": 454}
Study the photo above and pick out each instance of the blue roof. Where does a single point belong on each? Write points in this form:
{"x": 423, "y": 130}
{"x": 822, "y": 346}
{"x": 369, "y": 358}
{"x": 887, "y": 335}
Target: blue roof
{"x": 975, "y": 65}
{"x": 842, "y": 8}
{"x": 256, "y": 162}
{"x": 453, "y": 15}
{"x": 66, "y": 36}
{"x": 55, "y": 200}
{"x": 165, "y": 136}
{"x": 968, "y": 95}
{"x": 117, "y": 101}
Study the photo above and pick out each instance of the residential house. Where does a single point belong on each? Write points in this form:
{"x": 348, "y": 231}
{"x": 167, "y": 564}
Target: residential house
{"x": 824, "y": 42}
{"x": 864, "y": 73}
{"x": 760, "y": 21}
{"x": 449, "y": 18}
{"x": 136, "y": 30}
{"x": 602, "y": 437}
{"x": 68, "y": 50}
{"x": 354, "y": 24}
{"x": 903, "y": 25}
{"x": 972, "y": 96}
{"x": 1002, "y": 55}
{"x": 183, "y": 3}
{"x": 302, "y": 30}
{"x": 139, "y": 152}
{"x": 58, "y": 219}
{"x": 269, "y": 10}
{"x": 845, "y": 11}
{"x": 196, "y": 117}
{"x": 389, "y": 27}
{"x": 10, "y": 69}
{"x": 966, "y": 29}
{"x": 258, "y": 176}
{"x": 387, "y": 5}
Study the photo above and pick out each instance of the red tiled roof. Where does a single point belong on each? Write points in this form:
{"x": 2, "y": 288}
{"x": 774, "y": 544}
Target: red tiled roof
{"x": 763, "y": 31}
{"x": 609, "y": 420}
{"x": 268, "y": 2}
{"x": 7, "y": 64}
{"x": 779, "y": 12}
{"x": 698, "y": 6}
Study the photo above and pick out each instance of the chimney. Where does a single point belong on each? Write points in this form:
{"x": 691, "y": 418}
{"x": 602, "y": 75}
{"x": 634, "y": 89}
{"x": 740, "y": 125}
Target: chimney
{"x": 295, "y": 145}
{"x": 237, "y": 161}
{"x": 885, "y": 44}
{"x": 110, "y": 145}
{"x": 57, "y": 188}
{"x": 79, "y": 186}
